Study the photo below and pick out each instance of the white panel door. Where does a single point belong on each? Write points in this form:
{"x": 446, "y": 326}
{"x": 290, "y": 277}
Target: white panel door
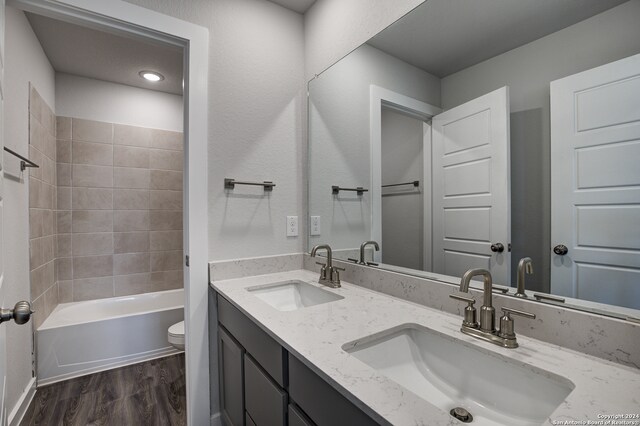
{"x": 595, "y": 184}
{"x": 471, "y": 191}
{"x": 3, "y": 327}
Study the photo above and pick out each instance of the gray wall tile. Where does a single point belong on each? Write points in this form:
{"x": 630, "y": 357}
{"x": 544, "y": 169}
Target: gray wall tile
{"x": 166, "y": 139}
{"x": 131, "y": 220}
{"x": 92, "y": 288}
{"x": 92, "y": 266}
{"x": 131, "y": 178}
{"x": 130, "y": 263}
{"x": 91, "y": 131}
{"x": 132, "y": 136}
{"x": 96, "y": 154}
{"x": 165, "y": 220}
{"x": 127, "y": 156}
{"x": 92, "y": 176}
{"x": 131, "y": 242}
{"x": 92, "y": 199}
{"x": 165, "y": 240}
{"x": 92, "y": 221}
{"x": 165, "y": 200}
{"x": 92, "y": 244}
{"x": 165, "y": 160}
{"x": 130, "y": 199}
{"x": 165, "y": 179}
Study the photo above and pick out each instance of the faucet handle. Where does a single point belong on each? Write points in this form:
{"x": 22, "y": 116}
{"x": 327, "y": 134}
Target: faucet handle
{"x": 339, "y": 269}
{"x": 469, "y": 311}
{"x": 506, "y": 325}
{"x": 470, "y": 300}
{"x": 518, "y": 312}
{"x": 321, "y": 264}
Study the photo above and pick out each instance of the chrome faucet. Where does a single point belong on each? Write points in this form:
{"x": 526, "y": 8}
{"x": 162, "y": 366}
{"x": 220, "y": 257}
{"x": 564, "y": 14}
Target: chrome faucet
{"x": 329, "y": 274}
{"x": 525, "y": 265}
{"x": 487, "y": 311}
{"x": 363, "y": 246}
{"x": 486, "y": 330}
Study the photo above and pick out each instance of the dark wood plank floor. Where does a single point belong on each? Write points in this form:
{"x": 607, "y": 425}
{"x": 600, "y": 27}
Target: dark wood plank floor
{"x": 150, "y": 393}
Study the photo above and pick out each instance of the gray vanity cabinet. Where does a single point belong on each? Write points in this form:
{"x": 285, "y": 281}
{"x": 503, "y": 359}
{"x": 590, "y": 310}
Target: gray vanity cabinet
{"x": 261, "y": 384}
{"x": 265, "y": 401}
{"x": 297, "y": 417}
{"x": 231, "y": 365}
{"x": 319, "y": 400}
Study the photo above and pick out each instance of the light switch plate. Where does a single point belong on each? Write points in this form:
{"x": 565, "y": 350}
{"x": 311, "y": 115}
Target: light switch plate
{"x": 292, "y": 226}
{"x": 315, "y": 225}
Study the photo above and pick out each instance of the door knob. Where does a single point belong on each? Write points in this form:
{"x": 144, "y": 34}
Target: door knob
{"x": 497, "y": 247}
{"x": 21, "y": 313}
{"x": 560, "y": 250}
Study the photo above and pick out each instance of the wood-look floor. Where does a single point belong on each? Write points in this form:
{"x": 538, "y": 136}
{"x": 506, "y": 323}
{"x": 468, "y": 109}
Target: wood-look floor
{"x": 150, "y": 393}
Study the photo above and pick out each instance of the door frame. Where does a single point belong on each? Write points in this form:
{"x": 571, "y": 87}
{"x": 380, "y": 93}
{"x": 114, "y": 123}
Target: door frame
{"x": 117, "y": 16}
{"x": 380, "y": 97}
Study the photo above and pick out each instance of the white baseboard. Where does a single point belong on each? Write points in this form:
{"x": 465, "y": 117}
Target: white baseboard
{"x": 216, "y": 420}
{"x": 18, "y": 412}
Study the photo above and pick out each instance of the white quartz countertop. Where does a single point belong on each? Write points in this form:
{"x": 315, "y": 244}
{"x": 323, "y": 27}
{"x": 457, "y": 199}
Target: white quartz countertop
{"x": 316, "y": 334}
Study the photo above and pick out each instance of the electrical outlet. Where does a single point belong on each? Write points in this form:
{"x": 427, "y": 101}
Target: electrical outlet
{"x": 315, "y": 225}
{"x": 292, "y": 226}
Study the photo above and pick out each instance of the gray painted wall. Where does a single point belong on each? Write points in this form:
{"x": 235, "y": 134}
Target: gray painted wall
{"x": 527, "y": 71}
{"x": 339, "y": 135}
{"x": 402, "y": 206}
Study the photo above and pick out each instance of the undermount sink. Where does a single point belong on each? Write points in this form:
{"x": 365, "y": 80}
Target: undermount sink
{"x": 292, "y": 295}
{"x": 450, "y": 373}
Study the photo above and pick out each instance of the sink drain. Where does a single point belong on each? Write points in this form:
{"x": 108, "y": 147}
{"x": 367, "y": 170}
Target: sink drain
{"x": 461, "y": 414}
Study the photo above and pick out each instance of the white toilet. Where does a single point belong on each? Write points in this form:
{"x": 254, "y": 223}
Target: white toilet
{"x": 176, "y": 335}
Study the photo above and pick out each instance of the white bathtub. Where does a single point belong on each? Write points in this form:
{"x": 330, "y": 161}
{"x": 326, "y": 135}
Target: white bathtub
{"x": 85, "y": 337}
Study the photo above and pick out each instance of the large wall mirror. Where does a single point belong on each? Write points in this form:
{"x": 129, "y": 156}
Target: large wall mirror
{"x": 478, "y": 133}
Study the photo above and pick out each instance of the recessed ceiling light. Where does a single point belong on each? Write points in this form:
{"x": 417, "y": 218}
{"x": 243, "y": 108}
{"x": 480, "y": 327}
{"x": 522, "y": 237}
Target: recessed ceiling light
{"x": 151, "y": 76}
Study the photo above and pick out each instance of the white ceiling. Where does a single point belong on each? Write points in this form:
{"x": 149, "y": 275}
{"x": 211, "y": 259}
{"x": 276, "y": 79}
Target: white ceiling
{"x": 104, "y": 56}
{"x": 446, "y": 36}
{"x": 300, "y": 6}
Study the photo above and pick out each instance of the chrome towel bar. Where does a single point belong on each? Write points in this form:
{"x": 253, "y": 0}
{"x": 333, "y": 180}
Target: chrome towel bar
{"x": 360, "y": 190}
{"x": 24, "y": 162}
{"x": 415, "y": 183}
{"x": 231, "y": 183}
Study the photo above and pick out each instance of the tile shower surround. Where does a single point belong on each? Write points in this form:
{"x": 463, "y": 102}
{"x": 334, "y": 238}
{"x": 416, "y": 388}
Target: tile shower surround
{"x": 42, "y": 207}
{"x": 119, "y": 209}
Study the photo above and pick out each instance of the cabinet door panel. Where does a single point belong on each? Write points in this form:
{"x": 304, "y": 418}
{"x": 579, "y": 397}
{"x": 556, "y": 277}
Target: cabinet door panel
{"x": 297, "y": 418}
{"x": 265, "y": 402}
{"x": 320, "y": 401}
{"x": 249, "y": 420}
{"x": 231, "y": 379}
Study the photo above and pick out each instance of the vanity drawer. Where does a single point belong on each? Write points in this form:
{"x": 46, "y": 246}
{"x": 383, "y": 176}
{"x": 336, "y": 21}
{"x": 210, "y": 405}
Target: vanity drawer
{"x": 298, "y": 418}
{"x": 266, "y": 351}
{"x": 248, "y": 421}
{"x": 319, "y": 400}
{"x": 265, "y": 401}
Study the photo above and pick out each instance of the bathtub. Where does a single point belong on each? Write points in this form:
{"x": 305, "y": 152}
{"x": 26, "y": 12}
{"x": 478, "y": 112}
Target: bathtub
{"x": 85, "y": 337}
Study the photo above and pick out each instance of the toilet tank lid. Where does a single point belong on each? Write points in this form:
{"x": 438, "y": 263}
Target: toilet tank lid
{"x": 177, "y": 329}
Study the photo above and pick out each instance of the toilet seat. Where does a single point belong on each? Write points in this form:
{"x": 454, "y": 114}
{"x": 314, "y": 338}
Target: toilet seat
{"x": 176, "y": 335}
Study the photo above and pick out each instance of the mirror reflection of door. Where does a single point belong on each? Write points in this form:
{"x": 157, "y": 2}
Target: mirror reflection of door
{"x": 595, "y": 184}
{"x": 471, "y": 192}
{"x": 467, "y": 169}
